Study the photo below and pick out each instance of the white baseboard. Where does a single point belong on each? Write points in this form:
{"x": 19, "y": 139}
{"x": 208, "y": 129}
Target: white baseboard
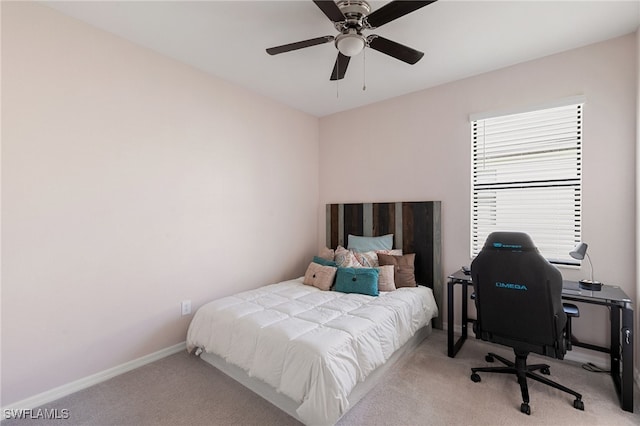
{"x": 94, "y": 379}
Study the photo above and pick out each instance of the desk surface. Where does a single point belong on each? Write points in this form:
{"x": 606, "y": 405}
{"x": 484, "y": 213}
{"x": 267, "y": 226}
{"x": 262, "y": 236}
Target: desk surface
{"x": 608, "y": 292}
{"x": 571, "y": 288}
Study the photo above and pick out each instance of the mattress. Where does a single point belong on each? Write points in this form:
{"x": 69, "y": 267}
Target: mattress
{"x": 311, "y": 346}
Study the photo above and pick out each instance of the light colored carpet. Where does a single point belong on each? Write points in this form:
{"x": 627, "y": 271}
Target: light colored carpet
{"x": 424, "y": 388}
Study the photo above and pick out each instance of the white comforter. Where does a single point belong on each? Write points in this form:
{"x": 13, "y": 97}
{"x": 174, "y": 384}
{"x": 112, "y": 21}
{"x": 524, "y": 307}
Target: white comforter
{"x": 313, "y": 346}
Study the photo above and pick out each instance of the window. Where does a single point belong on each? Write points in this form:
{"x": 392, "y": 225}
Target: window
{"x": 527, "y": 176}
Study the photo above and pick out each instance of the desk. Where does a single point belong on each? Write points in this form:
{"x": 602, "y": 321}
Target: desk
{"x": 621, "y": 317}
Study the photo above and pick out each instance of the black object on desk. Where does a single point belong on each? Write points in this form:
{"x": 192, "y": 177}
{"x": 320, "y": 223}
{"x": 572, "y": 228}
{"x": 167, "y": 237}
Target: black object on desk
{"x": 590, "y": 285}
{"x": 621, "y": 320}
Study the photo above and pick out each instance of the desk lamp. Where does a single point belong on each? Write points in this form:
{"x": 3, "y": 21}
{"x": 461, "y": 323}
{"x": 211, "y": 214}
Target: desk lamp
{"x": 579, "y": 252}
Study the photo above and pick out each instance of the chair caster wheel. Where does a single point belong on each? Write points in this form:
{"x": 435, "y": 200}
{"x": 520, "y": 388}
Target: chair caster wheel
{"x": 525, "y": 408}
{"x": 475, "y": 377}
{"x": 488, "y": 358}
{"x": 545, "y": 371}
{"x": 578, "y": 404}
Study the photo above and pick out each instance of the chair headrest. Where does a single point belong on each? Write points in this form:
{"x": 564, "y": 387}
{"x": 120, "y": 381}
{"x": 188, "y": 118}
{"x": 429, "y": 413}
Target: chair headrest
{"x": 513, "y": 241}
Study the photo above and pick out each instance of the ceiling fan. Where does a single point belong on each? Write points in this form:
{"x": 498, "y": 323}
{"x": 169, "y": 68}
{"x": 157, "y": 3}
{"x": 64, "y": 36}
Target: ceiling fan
{"x": 350, "y": 18}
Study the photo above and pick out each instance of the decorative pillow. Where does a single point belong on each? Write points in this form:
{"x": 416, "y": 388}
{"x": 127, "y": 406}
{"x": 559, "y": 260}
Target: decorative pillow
{"x": 369, "y": 259}
{"x": 346, "y": 258}
{"x": 404, "y": 269}
{"x": 394, "y": 252}
{"x": 385, "y": 278}
{"x": 357, "y": 280}
{"x": 324, "y": 262}
{"x": 327, "y": 253}
{"x": 320, "y": 276}
{"x": 364, "y": 244}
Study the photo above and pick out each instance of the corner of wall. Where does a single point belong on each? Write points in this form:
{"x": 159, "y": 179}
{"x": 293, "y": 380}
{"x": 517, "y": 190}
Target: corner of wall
{"x": 637, "y": 358}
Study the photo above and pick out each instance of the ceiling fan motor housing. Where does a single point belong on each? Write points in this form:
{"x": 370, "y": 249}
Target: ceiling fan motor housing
{"x": 354, "y": 8}
{"x": 354, "y": 12}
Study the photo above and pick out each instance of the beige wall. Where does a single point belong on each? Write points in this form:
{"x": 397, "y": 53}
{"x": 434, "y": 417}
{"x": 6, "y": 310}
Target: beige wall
{"x": 417, "y": 147}
{"x": 129, "y": 183}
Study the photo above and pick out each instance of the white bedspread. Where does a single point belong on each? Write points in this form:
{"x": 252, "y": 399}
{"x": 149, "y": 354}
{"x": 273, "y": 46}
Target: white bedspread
{"x": 311, "y": 345}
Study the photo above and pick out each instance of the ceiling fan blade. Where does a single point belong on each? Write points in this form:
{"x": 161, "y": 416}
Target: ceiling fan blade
{"x": 299, "y": 45}
{"x": 394, "y": 10}
{"x": 340, "y": 67}
{"x": 397, "y": 50}
{"x": 331, "y": 9}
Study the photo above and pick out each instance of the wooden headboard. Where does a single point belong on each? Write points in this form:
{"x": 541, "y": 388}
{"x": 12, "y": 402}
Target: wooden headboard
{"x": 415, "y": 227}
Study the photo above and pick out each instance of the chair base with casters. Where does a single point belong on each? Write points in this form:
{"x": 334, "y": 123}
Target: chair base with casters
{"x": 522, "y": 371}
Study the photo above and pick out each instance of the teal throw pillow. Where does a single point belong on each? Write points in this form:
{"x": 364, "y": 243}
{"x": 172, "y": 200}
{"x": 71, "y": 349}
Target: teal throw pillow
{"x": 323, "y": 261}
{"x": 357, "y": 280}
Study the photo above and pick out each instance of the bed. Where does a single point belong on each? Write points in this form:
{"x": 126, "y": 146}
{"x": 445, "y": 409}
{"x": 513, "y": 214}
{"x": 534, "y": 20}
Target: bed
{"x": 314, "y": 353}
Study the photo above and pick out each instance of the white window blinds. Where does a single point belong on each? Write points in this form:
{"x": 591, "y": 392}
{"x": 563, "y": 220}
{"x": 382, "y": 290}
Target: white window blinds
{"x": 527, "y": 176}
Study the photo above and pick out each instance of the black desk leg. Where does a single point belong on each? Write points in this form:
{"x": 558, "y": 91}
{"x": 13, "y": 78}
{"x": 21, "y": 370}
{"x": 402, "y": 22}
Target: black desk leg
{"x": 465, "y": 315}
{"x": 614, "y": 352}
{"x": 626, "y": 397}
{"x": 622, "y": 355}
{"x": 454, "y": 346}
{"x": 450, "y": 320}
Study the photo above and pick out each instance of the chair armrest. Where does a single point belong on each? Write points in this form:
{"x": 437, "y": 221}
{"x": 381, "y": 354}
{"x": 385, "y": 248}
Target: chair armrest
{"x": 571, "y": 310}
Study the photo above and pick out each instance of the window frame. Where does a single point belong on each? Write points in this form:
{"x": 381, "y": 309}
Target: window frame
{"x": 502, "y": 187}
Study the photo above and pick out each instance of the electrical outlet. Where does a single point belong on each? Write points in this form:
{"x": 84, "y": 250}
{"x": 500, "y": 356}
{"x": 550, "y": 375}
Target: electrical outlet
{"x": 186, "y": 307}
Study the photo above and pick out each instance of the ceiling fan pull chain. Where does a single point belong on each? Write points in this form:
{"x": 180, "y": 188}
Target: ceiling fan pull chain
{"x": 364, "y": 69}
{"x": 337, "y": 80}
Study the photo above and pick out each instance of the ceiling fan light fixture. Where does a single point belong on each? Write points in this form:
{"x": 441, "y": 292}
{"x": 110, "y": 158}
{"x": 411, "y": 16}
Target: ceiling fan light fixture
{"x": 350, "y": 44}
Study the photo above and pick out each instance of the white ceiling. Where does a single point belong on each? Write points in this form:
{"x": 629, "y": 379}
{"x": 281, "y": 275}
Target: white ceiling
{"x": 460, "y": 39}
